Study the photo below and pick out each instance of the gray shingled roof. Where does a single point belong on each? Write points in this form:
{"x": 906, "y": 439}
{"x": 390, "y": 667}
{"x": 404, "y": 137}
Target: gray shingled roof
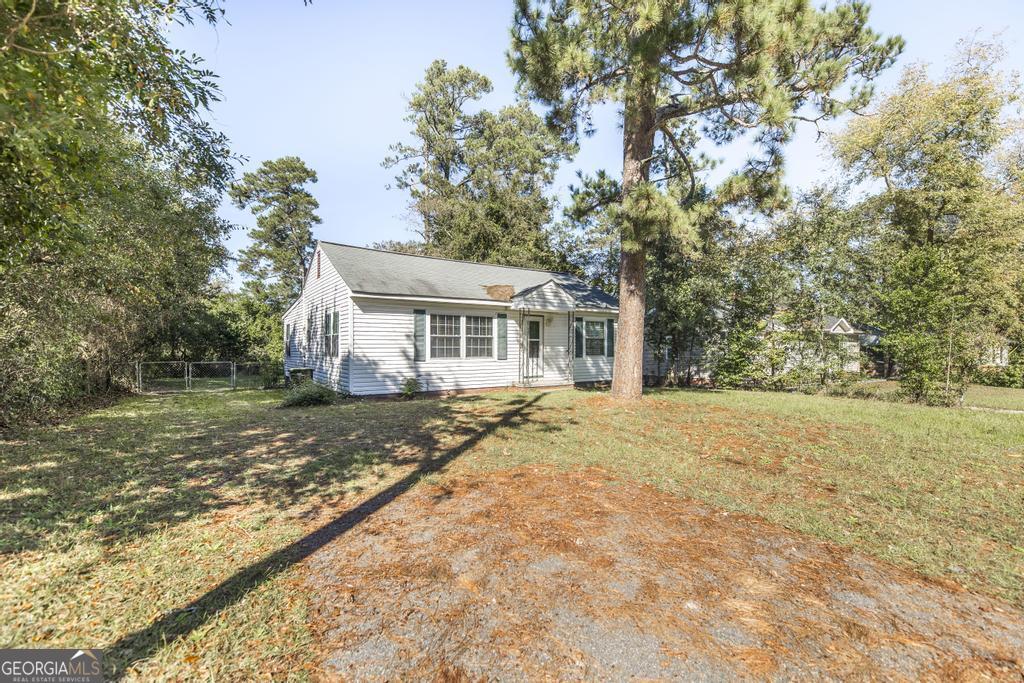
{"x": 371, "y": 271}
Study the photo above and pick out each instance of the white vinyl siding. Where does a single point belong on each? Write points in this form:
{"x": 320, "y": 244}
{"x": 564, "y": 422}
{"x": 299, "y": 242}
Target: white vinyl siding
{"x": 548, "y": 298}
{"x": 320, "y": 328}
{"x": 384, "y": 346}
{"x": 594, "y": 367}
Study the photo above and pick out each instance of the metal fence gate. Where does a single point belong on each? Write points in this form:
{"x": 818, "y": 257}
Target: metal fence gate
{"x": 177, "y": 375}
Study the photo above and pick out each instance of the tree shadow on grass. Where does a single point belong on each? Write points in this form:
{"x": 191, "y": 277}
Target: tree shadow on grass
{"x": 176, "y": 624}
{"x": 161, "y": 461}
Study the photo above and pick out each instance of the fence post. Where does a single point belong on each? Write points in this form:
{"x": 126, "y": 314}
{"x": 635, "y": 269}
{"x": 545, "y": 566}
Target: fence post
{"x": 232, "y": 374}
{"x": 138, "y": 373}
{"x": 188, "y": 376}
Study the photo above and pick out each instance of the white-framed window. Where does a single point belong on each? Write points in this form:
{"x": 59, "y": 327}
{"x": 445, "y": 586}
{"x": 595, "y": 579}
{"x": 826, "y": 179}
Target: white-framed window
{"x": 288, "y": 340}
{"x": 593, "y": 342}
{"x": 445, "y": 336}
{"x": 330, "y": 333}
{"x": 479, "y": 336}
{"x": 335, "y": 337}
{"x": 309, "y": 330}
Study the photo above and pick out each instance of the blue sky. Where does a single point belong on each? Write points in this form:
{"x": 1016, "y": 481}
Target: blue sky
{"x": 329, "y": 83}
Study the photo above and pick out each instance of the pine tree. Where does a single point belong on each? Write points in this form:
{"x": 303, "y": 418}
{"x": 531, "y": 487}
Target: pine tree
{"x": 478, "y": 179}
{"x": 282, "y": 241}
{"x": 735, "y": 66}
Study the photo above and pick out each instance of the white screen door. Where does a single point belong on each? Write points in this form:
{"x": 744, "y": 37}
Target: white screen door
{"x": 533, "y": 363}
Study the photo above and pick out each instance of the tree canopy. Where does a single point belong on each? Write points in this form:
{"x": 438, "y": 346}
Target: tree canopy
{"x": 70, "y": 69}
{"x": 285, "y": 210}
{"x": 135, "y": 281}
{"x": 734, "y": 66}
{"x": 478, "y": 179}
{"x": 949, "y": 220}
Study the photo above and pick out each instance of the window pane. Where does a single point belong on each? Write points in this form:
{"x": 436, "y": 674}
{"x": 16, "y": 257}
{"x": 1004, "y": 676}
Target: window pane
{"x": 478, "y": 347}
{"x": 478, "y": 326}
{"x": 445, "y": 336}
{"x": 595, "y": 337}
{"x": 444, "y": 325}
{"x": 479, "y": 342}
{"x": 444, "y": 347}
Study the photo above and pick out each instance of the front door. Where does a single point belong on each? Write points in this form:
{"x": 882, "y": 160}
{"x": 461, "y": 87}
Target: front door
{"x": 533, "y": 363}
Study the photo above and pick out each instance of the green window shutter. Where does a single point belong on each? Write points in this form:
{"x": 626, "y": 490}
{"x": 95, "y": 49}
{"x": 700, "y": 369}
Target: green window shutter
{"x": 579, "y": 338}
{"x": 610, "y": 338}
{"x": 502, "y": 336}
{"x": 419, "y": 335}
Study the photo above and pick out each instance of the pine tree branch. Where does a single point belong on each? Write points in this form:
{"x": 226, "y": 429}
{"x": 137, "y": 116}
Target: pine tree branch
{"x": 685, "y": 159}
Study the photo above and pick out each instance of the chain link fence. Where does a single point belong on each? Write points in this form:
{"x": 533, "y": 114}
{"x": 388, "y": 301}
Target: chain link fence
{"x": 218, "y": 375}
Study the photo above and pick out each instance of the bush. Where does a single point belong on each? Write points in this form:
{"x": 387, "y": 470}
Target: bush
{"x": 860, "y": 390}
{"x": 410, "y": 387}
{"x": 308, "y": 394}
{"x": 1012, "y": 376}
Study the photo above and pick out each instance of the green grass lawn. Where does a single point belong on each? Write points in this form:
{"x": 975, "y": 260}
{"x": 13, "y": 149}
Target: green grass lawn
{"x": 112, "y": 524}
{"x": 1001, "y": 398}
{"x": 977, "y": 396}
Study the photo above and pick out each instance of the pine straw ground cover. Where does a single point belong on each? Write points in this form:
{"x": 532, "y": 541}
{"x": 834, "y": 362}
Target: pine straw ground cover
{"x": 178, "y": 531}
{"x": 542, "y": 574}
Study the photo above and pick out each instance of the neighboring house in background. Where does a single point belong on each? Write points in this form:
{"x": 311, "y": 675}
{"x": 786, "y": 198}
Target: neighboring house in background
{"x": 996, "y": 356}
{"x": 879, "y": 364}
{"x": 845, "y": 338}
{"x": 695, "y": 367}
{"x": 368, "y": 320}
{"x": 690, "y": 368}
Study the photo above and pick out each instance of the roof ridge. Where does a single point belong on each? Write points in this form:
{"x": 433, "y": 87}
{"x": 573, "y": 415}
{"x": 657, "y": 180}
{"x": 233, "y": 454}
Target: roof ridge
{"x": 452, "y": 260}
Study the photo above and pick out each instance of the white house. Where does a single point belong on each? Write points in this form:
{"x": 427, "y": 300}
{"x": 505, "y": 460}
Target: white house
{"x": 695, "y": 366}
{"x": 367, "y": 320}
{"x": 844, "y": 336}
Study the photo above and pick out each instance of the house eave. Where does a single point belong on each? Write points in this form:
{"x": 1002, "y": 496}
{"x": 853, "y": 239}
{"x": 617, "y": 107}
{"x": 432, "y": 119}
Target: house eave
{"x": 430, "y": 299}
{"x": 289, "y": 309}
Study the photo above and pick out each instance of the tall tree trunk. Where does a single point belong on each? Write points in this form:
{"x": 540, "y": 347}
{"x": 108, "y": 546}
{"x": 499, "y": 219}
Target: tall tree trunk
{"x": 638, "y": 145}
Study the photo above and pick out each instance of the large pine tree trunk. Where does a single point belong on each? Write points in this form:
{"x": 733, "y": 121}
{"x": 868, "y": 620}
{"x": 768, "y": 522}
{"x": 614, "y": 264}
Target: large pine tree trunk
{"x": 638, "y": 145}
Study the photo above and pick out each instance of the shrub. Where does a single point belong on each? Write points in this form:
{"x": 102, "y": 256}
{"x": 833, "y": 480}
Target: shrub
{"x": 868, "y": 392}
{"x": 1011, "y": 376}
{"x": 410, "y": 387}
{"x": 308, "y": 394}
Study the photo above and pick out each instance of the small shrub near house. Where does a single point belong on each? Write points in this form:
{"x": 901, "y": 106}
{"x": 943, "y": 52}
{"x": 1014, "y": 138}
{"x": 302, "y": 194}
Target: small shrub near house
{"x": 308, "y": 394}
{"x": 410, "y": 387}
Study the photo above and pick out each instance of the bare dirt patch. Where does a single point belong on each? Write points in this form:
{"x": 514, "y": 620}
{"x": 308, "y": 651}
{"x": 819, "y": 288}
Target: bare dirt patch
{"x": 538, "y": 572}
